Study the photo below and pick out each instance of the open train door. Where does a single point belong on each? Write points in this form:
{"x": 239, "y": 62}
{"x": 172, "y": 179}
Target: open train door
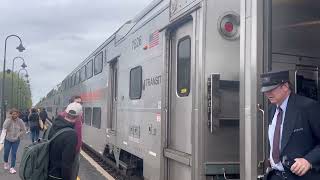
{"x": 276, "y": 35}
{"x": 178, "y": 153}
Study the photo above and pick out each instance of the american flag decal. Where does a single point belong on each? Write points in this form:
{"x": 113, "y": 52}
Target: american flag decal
{"x": 154, "y": 39}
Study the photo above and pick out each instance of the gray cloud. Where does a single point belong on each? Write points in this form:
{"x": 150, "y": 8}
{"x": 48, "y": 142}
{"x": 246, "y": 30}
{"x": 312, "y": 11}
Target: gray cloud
{"x": 59, "y": 34}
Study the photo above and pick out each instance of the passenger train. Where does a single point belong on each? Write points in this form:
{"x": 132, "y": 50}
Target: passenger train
{"x": 174, "y": 93}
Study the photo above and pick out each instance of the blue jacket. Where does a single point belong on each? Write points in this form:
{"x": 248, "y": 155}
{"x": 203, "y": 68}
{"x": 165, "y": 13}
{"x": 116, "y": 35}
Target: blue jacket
{"x": 301, "y": 132}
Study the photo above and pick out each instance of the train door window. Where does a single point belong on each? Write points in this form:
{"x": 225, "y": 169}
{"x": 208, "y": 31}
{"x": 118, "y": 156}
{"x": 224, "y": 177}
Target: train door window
{"x": 184, "y": 66}
{"x": 135, "y": 83}
{"x": 98, "y": 63}
{"x": 83, "y": 74}
{"x": 112, "y": 122}
{"x": 84, "y": 114}
{"x": 96, "y": 118}
{"x": 87, "y": 116}
{"x": 89, "y": 69}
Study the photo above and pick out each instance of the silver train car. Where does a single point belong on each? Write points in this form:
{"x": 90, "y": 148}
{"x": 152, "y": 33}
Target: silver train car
{"x": 174, "y": 93}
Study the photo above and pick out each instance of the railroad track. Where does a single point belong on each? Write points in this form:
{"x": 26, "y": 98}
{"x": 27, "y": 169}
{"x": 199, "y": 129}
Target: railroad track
{"x": 115, "y": 173}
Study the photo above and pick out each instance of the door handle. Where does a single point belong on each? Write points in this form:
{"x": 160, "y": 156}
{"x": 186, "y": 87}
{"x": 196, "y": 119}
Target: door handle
{"x": 225, "y": 175}
{"x": 213, "y": 109}
{"x": 259, "y": 106}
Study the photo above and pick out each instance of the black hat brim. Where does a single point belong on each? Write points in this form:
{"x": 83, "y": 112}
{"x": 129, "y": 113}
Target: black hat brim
{"x": 268, "y": 88}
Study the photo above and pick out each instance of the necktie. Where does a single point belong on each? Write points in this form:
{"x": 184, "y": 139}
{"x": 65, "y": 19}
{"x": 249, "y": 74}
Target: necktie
{"x": 276, "y": 138}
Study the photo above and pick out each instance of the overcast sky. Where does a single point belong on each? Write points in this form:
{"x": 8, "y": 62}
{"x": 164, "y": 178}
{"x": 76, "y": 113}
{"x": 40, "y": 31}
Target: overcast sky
{"x": 59, "y": 34}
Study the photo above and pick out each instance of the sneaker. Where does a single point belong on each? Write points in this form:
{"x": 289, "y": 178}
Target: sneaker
{"x": 6, "y": 166}
{"x": 12, "y": 171}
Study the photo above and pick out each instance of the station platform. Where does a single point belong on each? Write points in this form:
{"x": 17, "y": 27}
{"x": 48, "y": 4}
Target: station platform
{"x": 88, "y": 170}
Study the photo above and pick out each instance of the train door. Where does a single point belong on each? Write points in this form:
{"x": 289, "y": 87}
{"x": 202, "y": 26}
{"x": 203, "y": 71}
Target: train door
{"x": 179, "y": 150}
{"x": 291, "y": 43}
{"x": 114, "y": 95}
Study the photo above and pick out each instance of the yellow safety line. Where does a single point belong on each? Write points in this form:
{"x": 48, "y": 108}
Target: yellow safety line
{"x": 97, "y": 166}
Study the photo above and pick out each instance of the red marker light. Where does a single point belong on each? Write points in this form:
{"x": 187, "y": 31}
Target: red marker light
{"x": 228, "y": 26}
{"x": 145, "y": 47}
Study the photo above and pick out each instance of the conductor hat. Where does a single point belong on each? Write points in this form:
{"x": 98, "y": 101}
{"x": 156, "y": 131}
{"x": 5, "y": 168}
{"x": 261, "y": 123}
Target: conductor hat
{"x": 271, "y": 80}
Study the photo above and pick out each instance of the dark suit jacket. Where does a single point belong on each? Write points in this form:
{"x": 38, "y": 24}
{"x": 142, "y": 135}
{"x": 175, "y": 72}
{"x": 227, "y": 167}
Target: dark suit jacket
{"x": 301, "y": 132}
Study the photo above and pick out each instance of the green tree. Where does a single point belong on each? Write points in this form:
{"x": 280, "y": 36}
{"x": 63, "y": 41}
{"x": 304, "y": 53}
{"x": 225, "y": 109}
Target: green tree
{"x": 21, "y": 97}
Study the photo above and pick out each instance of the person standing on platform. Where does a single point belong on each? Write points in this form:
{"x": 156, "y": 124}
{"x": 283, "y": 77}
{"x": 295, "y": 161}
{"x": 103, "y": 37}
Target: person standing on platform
{"x": 34, "y": 125}
{"x": 25, "y": 118}
{"x": 13, "y": 131}
{"x": 78, "y": 128}
{"x": 294, "y": 130}
{"x": 62, "y": 152}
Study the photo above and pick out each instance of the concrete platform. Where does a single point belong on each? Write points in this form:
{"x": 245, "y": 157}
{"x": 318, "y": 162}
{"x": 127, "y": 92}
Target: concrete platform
{"x": 87, "y": 170}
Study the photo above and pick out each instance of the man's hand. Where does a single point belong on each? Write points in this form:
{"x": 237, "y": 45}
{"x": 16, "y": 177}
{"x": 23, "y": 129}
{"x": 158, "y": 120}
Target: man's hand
{"x": 300, "y": 167}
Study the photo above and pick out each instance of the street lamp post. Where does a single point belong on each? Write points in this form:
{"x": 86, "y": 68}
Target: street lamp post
{"x": 20, "y": 48}
{"x": 23, "y": 94}
{"x": 12, "y": 70}
{"x": 19, "y": 88}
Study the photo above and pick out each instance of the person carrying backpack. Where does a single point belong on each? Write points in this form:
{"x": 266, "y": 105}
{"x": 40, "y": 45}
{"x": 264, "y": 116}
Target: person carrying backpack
{"x": 26, "y": 119}
{"x": 78, "y": 129}
{"x": 34, "y": 125}
{"x": 62, "y": 151}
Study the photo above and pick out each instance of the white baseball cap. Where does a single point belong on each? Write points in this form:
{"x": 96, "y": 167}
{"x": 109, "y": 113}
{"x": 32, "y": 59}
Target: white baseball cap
{"x": 74, "y": 109}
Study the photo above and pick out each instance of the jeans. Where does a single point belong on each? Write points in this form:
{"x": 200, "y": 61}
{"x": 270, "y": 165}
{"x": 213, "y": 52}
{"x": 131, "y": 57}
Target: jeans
{"x": 34, "y": 133}
{"x": 13, "y": 146}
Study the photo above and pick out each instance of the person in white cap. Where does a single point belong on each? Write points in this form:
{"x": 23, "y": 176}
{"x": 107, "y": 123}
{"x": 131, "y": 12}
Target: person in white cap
{"x": 63, "y": 148}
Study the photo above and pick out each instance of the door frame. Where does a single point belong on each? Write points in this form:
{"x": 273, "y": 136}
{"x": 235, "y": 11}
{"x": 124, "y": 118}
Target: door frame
{"x": 167, "y": 153}
{"x": 114, "y": 63}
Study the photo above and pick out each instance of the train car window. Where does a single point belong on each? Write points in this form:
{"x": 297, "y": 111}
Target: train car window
{"x": 89, "y": 69}
{"x": 184, "y": 66}
{"x": 49, "y": 109}
{"x": 135, "y": 83}
{"x": 96, "y": 118}
{"x": 98, "y": 63}
{"x": 68, "y": 82}
{"x": 73, "y": 80}
{"x": 64, "y": 85}
{"x": 87, "y": 115}
{"x": 83, "y": 74}
{"x": 77, "y": 80}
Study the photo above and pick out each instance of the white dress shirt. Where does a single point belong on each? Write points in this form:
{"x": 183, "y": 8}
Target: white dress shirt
{"x": 272, "y": 127}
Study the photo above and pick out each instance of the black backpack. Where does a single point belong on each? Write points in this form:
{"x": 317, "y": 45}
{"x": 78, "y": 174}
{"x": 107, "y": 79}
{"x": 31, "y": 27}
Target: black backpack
{"x": 35, "y": 159}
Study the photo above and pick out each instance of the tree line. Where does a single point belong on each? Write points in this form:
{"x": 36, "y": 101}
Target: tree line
{"x": 20, "y": 97}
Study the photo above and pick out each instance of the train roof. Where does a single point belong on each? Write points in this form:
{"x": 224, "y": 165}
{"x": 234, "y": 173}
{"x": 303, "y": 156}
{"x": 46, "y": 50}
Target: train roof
{"x": 122, "y": 32}
{"x": 118, "y": 35}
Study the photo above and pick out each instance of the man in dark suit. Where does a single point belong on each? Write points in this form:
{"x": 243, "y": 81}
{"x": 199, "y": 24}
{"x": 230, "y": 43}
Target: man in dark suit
{"x": 294, "y": 130}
